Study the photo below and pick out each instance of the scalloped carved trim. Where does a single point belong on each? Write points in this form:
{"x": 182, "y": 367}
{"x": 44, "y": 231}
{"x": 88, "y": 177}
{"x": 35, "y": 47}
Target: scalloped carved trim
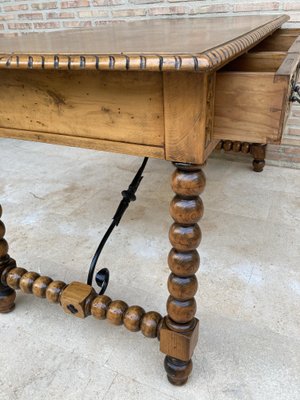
{"x": 107, "y": 62}
{"x": 222, "y": 54}
{"x": 209, "y": 60}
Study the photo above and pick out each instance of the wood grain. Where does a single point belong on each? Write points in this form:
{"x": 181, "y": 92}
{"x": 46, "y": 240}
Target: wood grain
{"x": 264, "y": 61}
{"x": 179, "y": 330}
{"x": 280, "y": 40}
{"x": 257, "y": 90}
{"x": 249, "y": 107}
{"x": 111, "y": 106}
{"x": 177, "y": 371}
{"x": 88, "y": 143}
{"x": 7, "y": 294}
{"x": 162, "y": 115}
{"x": 76, "y": 299}
{"x": 258, "y": 151}
{"x": 155, "y": 45}
{"x": 185, "y": 105}
{"x": 290, "y": 64}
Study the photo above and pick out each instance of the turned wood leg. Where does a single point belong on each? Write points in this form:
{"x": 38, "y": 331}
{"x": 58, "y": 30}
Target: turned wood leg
{"x": 7, "y": 295}
{"x": 179, "y": 331}
{"x": 258, "y": 152}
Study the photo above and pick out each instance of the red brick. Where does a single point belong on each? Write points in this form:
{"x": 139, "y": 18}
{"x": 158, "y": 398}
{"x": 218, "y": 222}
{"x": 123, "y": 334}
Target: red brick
{"x": 93, "y": 13}
{"x": 167, "y": 10}
{"x": 104, "y": 22}
{"x": 75, "y": 4}
{"x": 1, "y": 26}
{"x": 294, "y": 121}
{"x": 295, "y": 160}
{"x": 292, "y": 151}
{"x": 19, "y": 26}
{"x": 30, "y": 16}
{"x": 77, "y": 24}
{"x": 137, "y": 12}
{"x": 6, "y": 17}
{"x": 108, "y": 2}
{"x": 293, "y": 131}
{"x": 46, "y": 25}
{"x": 61, "y": 15}
{"x": 44, "y": 6}
{"x": 16, "y": 7}
{"x": 214, "y": 8}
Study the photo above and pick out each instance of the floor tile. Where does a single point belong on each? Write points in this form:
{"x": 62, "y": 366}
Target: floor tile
{"x": 58, "y": 202}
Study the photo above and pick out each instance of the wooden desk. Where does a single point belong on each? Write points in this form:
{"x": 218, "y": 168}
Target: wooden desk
{"x": 169, "y": 89}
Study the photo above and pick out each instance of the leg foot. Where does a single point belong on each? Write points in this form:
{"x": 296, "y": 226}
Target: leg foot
{"x": 179, "y": 330}
{"x": 7, "y": 299}
{"x": 177, "y": 371}
{"x": 259, "y": 153}
{"x": 258, "y": 165}
{"x": 7, "y": 295}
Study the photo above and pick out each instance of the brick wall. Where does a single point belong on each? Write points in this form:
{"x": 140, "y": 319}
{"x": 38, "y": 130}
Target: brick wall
{"x": 20, "y": 16}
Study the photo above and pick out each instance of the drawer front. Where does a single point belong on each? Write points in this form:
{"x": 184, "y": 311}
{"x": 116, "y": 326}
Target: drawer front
{"x": 82, "y": 106}
{"x": 254, "y": 92}
{"x": 248, "y": 107}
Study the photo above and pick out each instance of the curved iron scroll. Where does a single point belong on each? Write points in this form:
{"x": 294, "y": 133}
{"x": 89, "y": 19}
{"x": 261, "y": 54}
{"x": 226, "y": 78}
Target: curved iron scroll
{"x": 102, "y": 276}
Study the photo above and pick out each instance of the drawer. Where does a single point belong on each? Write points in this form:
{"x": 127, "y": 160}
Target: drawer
{"x": 253, "y": 92}
{"x": 118, "y": 111}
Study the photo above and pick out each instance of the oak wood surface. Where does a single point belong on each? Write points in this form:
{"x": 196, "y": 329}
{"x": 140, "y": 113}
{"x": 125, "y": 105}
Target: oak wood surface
{"x": 161, "y": 115}
{"x": 185, "y": 108}
{"x": 290, "y": 64}
{"x": 148, "y": 114}
{"x": 249, "y": 107}
{"x": 119, "y": 106}
{"x": 76, "y": 299}
{"x": 87, "y": 143}
{"x": 263, "y": 61}
{"x": 153, "y": 44}
{"x": 280, "y": 40}
{"x": 253, "y": 96}
{"x": 151, "y": 36}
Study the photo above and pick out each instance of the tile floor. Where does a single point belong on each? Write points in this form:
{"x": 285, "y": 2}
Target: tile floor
{"x": 58, "y": 201}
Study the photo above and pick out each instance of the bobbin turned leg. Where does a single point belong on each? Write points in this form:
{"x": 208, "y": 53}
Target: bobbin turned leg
{"x": 258, "y": 151}
{"x": 7, "y": 295}
{"x": 179, "y": 331}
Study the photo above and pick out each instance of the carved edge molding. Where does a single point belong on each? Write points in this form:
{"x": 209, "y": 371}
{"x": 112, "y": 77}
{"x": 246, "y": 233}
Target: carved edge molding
{"x": 209, "y": 60}
{"x": 228, "y": 51}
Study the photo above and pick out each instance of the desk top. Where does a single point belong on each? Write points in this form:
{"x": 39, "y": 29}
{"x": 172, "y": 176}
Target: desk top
{"x": 186, "y": 44}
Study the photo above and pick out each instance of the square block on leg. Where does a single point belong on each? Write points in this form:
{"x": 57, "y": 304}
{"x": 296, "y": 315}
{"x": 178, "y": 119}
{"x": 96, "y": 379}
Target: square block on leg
{"x": 76, "y": 299}
{"x": 178, "y": 345}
